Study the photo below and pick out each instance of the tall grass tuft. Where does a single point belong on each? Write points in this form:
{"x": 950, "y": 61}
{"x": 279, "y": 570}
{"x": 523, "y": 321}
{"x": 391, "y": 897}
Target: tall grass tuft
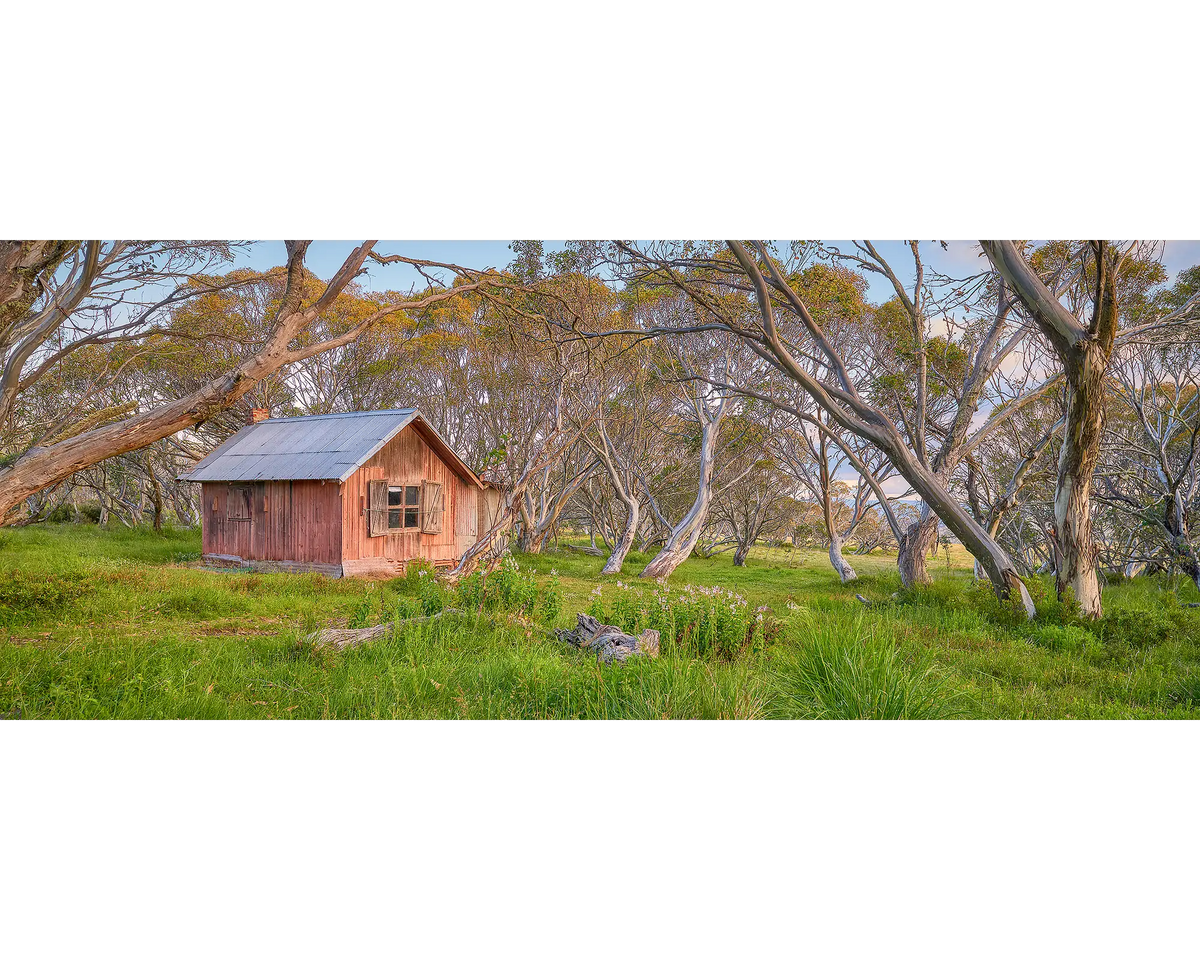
{"x": 846, "y": 672}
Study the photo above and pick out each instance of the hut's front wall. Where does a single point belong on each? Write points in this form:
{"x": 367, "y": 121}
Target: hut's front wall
{"x": 406, "y": 460}
{"x": 290, "y": 522}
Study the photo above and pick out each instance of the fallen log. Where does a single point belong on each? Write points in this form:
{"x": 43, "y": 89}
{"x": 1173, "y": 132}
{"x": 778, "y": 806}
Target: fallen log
{"x": 611, "y": 644}
{"x": 872, "y": 603}
{"x": 590, "y": 551}
{"x": 341, "y": 639}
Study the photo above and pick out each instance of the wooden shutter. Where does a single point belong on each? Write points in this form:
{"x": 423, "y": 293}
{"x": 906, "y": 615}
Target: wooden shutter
{"x": 239, "y": 498}
{"x": 377, "y": 507}
{"x": 431, "y": 507}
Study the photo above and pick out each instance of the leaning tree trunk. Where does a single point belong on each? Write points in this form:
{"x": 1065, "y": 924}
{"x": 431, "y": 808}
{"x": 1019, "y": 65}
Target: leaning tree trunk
{"x": 845, "y": 572}
{"x": 43, "y": 466}
{"x": 873, "y": 426}
{"x": 632, "y": 517}
{"x": 683, "y": 539}
{"x": 686, "y": 534}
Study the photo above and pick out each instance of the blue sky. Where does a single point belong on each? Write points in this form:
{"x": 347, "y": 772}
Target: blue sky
{"x": 961, "y": 258}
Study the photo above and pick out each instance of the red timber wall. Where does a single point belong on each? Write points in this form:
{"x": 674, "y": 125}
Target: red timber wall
{"x": 406, "y": 459}
{"x": 290, "y": 522}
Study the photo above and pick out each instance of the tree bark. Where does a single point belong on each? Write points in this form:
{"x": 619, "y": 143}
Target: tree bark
{"x": 920, "y": 536}
{"x": 845, "y": 572}
{"x": 156, "y": 496}
{"x": 611, "y": 644}
{"x": 687, "y": 532}
{"x": 1085, "y": 353}
{"x": 741, "y": 553}
{"x": 1073, "y": 487}
{"x": 617, "y": 558}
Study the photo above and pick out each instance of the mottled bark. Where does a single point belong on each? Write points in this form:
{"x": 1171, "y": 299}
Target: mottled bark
{"x": 1076, "y": 547}
{"x": 918, "y": 539}
{"x": 1085, "y": 352}
{"x": 155, "y": 495}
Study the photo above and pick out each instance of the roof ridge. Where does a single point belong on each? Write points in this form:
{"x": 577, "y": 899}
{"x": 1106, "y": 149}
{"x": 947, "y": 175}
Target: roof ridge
{"x": 331, "y": 416}
{"x": 252, "y": 454}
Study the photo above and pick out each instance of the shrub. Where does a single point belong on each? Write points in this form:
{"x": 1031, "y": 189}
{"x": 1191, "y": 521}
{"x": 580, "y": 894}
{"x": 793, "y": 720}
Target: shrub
{"x": 415, "y": 574}
{"x": 550, "y": 598}
{"x": 702, "y": 622}
{"x": 27, "y": 592}
{"x": 471, "y": 590}
{"x": 1065, "y": 638}
{"x": 432, "y": 595}
{"x": 512, "y": 588}
{"x": 1144, "y": 627}
{"x": 508, "y": 588}
{"x": 65, "y": 513}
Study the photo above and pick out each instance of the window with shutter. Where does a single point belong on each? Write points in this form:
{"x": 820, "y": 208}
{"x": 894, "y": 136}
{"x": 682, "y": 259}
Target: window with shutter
{"x": 432, "y": 507}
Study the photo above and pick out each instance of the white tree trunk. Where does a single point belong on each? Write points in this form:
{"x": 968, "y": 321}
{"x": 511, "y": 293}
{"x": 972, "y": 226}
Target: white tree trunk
{"x": 845, "y": 572}
{"x": 617, "y": 558}
{"x": 687, "y": 532}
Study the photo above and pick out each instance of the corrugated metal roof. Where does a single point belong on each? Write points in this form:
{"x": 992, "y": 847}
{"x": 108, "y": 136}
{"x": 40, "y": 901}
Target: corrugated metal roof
{"x": 327, "y": 447}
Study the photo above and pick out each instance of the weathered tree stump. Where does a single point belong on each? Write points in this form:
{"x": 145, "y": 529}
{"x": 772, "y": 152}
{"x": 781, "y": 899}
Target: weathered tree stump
{"x": 610, "y": 644}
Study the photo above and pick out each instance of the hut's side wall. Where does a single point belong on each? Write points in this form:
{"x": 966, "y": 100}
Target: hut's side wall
{"x": 290, "y": 521}
{"x": 406, "y": 459}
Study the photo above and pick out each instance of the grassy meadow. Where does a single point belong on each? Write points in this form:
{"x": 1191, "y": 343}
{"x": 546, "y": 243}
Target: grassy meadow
{"x": 125, "y": 624}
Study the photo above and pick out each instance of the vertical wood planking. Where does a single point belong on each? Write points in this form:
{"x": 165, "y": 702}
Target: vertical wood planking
{"x": 405, "y": 460}
{"x": 322, "y": 522}
{"x": 289, "y": 520}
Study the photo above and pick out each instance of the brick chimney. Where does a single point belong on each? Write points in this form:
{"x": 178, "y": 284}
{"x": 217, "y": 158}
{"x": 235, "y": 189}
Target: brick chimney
{"x": 258, "y": 415}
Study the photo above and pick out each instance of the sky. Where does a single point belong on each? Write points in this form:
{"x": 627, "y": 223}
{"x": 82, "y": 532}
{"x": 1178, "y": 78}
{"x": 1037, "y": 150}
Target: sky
{"x": 961, "y": 258}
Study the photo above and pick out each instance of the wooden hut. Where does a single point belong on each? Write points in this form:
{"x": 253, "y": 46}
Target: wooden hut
{"x": 343, "y": 494}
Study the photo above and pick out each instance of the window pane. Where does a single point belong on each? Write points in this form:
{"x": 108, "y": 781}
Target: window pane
{"x": 394, "y": 496}
{"x": 393, "y": 519}
{"x": 410, "y": 516}
{"x": 412, "y": 496}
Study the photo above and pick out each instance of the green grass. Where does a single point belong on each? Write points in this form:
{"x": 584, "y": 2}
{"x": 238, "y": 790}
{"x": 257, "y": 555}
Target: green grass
{"x": 118, "y": 623}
